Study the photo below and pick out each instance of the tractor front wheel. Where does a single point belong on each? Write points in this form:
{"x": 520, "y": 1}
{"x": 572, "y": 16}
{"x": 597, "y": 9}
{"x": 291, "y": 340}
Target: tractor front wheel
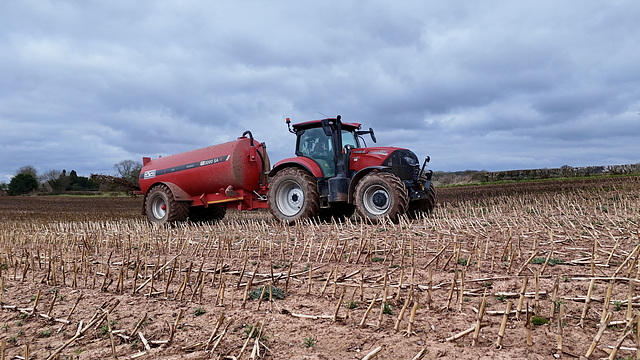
{"x": 379, "y": 195}
{"x": 162, "y": 208}
{"x": 293, "y": 195}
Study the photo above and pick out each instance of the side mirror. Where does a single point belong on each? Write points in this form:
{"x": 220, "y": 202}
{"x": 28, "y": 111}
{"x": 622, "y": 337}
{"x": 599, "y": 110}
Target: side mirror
{"x": 326, "y": 127}
{"x": 370, "y": 132}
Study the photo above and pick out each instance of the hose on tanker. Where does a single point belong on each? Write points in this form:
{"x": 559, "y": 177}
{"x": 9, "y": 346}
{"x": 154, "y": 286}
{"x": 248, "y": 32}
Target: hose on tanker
{"x": 264, "y": 148}
{"x": 250, "y": 136}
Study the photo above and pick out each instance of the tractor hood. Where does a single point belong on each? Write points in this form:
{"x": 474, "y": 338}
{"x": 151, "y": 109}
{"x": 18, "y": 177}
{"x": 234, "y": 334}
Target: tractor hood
{"x": 382, "y": 152}
{"x": 382, "y": 156}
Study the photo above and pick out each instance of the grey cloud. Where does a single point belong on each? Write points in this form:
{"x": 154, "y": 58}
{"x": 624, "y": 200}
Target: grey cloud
{"x": 476, "y": 86}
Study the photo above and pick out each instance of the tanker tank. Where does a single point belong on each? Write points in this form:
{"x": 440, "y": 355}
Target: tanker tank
{"x": 208, "y": 170}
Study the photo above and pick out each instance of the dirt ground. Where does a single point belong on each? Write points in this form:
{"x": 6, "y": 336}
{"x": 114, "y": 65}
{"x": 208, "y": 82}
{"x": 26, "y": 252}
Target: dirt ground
{"x": 77, "y": 279}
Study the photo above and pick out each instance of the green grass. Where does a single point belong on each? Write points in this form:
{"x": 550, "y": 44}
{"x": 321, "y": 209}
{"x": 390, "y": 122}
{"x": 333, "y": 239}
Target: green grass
{"x": 618, "y": 305}
{"x": 278, "y": 294}
{"x": 280, "y": 265}
{"x": 500, "y": 182}
{"x": 352, "y": 305}
{"x": 247, "y": 331}
{"x": 387, "y": 309}
{"x": 199, "y": 311}
{"x": 552, "y": 261}
{"x": 91, "y": 194}
{"x": 310, "y": 342}
{"x": 539, "y": 320}
{"x": 104, "y": 329}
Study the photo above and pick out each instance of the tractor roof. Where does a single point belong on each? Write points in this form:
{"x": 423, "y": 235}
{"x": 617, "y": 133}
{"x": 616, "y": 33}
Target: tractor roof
{"x": 316, "y": 123}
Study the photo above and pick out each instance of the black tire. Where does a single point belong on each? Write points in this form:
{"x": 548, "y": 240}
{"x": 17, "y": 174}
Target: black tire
{"x": 213, "y": 212}
{"x": 162, "y": 208}
{"x": 338, "y": 212}
{"x": 293, "y": 195}
{"x": 379, "y": 195}
{"x": 423, "y": 206}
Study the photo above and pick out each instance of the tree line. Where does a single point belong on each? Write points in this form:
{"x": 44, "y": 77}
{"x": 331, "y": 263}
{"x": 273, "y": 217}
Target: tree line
{"x": 28, "y": 181}
{"x": 441, "y": 178}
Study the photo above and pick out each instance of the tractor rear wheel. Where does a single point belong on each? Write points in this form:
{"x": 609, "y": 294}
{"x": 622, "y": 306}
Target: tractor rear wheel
{"x": 379, "y": 195}
{"x": 213, "y": 212}
{"x": 293, "y": 195}
{"x": 423, "y": 206}
{"x": 162, "y": 208}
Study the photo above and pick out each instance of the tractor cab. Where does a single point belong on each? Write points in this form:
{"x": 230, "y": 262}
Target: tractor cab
{"x": 318, "y": 141}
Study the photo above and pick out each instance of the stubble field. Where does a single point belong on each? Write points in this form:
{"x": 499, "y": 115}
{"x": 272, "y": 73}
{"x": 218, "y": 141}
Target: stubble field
{"x": 89, "y": 278}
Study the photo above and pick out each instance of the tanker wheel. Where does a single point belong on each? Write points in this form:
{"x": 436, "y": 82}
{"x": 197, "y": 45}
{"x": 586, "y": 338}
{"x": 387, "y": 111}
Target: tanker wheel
{"x": 379, "y": 195}
{"x": 162, "y": 208}
{"x": 293, "y": 195}
{"x": 423, "y": 206}
{"x": 213, "y": 212}
{"x": 338, "y": 212}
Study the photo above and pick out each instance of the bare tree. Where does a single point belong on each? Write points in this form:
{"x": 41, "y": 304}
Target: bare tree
{"x": 50, "y": 175}
{"x": 129, "y": 170}
{"x": 52, "y": 181}
{"x": 28, "y": 169}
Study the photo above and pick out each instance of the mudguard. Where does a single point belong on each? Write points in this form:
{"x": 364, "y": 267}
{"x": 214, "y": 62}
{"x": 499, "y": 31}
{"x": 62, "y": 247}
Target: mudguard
{"x": 178, "y": 193}
{"x": 298, "y": 161}
{"x": 359, "y": 175}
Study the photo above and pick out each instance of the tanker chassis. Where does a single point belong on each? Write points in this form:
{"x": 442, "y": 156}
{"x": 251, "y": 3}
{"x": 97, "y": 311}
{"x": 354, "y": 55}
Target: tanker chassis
{"x": 332, "y": 175}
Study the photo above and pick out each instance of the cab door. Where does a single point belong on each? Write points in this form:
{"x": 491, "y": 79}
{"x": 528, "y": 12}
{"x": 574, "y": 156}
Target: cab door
{"x": 316, "y": 145}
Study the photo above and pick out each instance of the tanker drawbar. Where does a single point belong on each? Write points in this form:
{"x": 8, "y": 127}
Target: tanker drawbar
{"x": 201, "y": 184}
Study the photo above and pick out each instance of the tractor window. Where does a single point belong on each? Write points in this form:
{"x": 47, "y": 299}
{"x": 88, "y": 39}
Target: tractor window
{"x": 318, "y": 146}
{"x": 350, "y": 138}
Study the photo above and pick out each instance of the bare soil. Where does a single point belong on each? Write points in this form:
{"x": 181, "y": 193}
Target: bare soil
{"x": 480, "y": 243}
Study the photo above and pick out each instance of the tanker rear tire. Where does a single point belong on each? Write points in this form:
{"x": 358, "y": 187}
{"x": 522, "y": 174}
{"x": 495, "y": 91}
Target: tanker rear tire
{"x": 162, "y": 208}
{"x": 379, "y": 195}
{"x": 213, "y": 212}
{"x": 293, "y": 195}
{"x": 423, "y": 206}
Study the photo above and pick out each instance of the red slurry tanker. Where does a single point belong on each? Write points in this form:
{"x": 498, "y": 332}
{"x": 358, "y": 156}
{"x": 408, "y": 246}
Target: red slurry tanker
{"x": 332, "y": 175}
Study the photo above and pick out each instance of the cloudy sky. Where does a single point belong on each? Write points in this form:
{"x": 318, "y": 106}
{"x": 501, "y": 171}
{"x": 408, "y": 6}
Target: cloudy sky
{"x": 492, "y": 85}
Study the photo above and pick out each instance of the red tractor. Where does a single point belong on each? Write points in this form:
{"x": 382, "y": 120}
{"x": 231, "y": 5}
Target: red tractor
{"x": 332, "y": 175}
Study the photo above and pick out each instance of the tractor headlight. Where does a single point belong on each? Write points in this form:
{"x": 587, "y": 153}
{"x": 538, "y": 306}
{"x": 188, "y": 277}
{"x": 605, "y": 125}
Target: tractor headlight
{"x": 410, "y": 161}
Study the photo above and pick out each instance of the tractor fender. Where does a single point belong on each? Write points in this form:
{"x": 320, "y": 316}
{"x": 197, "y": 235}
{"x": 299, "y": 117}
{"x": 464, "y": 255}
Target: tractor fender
{"x": 299, "y": 161}
{"x": 359, "y": 175}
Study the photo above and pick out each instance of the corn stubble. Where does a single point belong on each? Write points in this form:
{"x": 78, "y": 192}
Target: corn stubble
{"x": 567, "y": 255}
